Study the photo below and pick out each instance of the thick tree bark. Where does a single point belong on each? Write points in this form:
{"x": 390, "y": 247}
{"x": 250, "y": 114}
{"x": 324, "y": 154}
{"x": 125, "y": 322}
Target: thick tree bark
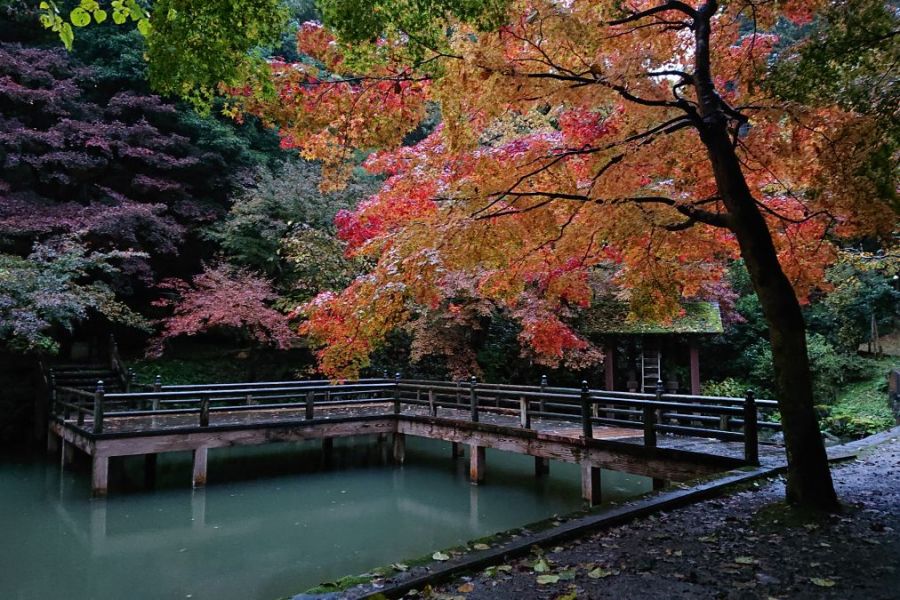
{"x": 809, "y": 478}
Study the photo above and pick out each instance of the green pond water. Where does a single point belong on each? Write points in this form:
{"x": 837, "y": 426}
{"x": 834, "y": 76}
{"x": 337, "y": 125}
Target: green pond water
{"x": 272, "y": 522}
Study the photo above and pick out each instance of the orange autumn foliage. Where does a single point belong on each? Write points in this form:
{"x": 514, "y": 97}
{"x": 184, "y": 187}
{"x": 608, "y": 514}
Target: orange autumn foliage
{"x": 570, "y": 141}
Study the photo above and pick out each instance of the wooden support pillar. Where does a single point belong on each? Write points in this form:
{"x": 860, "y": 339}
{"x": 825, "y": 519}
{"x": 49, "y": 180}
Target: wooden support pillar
{"x": 659, "y": 484}
{"x": 456, "y": 450}
{"x": 199, "y": 473}
{"x": 68, "y": 453}
{"x": 695, "y": 369}
{"x": 150, "y": 470}
{"x": 327, "y": 446}
{"x": 609, "y": 366}
{"x": 590, "y": 483}
{"x": 476, "y": 464}
{"x": 53, "y": 441}
{"x": 99, "y": 475}
{"x": 399, "y": 447}
{"x": 541, "y": 466}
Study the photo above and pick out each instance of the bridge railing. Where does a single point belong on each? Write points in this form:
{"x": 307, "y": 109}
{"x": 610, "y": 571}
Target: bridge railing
{"x": 722, "y": 418}
{"x": 91, "y": 410}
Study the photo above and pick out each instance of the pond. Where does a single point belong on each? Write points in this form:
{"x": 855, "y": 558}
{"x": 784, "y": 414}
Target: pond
{"x": 273, "y": 521}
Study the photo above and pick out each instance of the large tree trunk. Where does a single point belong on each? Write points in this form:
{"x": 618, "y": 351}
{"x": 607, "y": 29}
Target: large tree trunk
{"x": 809, "y": 480}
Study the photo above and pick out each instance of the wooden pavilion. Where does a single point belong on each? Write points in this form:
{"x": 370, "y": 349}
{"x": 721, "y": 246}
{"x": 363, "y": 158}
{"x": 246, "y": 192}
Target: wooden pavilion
{"x": 639, "y": 353}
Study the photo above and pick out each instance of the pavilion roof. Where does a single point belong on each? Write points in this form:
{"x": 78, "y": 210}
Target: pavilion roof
{"x": 611, "y": 318}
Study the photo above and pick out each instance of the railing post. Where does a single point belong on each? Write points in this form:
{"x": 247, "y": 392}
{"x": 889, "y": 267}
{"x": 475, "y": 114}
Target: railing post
{"x": 586, "y": 425}
{"x": 473, "y": 398}
{"x": 98, "y": 407}
{"x": 650, "y": 417}
{"x": 751, "y": 439}
{"x": 157, "y": 387}
{"x": 204, "y": 410}
{"x": 310, "y": 405}
{"x": 129, "y": 379}
{"x": 660, "y": 390}
{"x": 524, "y": 413}
{"x": 541, "y": 398}
{"x": 431, "y": 405}
{"x": 397, "y": 393}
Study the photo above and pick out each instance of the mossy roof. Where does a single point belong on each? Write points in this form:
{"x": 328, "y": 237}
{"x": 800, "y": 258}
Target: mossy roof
{"x": 611, "y": 318}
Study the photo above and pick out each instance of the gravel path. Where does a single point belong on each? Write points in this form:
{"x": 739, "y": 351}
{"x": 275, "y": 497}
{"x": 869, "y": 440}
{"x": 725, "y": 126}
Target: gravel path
{"x": 745, "y": 545}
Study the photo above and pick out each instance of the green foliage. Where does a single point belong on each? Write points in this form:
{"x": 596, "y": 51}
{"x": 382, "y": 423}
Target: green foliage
{"x": 843, "y": 57}
{"x": 315, "y": 262}
{"x": 422, "y": 24}
{"x": 282, "y": 226}
{"x": 848, "y": 56}
{"x": 194, "y": 47}
{"x": 862, "y": 408}
{"x": 863, "y": 287}
{"x": 729, "y": 387}
{"x": 56, "y": 287}
{"x": 191, "y": 361}
{"x": 830, "y": 369}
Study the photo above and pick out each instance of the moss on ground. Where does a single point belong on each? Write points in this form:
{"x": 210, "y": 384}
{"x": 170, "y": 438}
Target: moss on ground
{"x": 781, "y": 515}
{"x": 342, "y": 584}
{"x": 862, "y": 408}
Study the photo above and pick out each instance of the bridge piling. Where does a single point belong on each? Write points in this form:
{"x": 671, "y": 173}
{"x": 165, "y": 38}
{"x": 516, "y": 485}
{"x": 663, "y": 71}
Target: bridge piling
{"x": 399, "y": 448}
{"x": 99, "y": 475}
{"x": 456, "y": 450}
{"x": 590, "y": 483}
{"x": 476, "y": 464}
{"x": 199, "y": 470}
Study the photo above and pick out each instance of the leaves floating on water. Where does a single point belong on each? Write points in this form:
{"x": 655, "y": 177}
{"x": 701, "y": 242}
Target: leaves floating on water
{"x": 822, "y": 582}
{"x": 440, "y": 556}
{"x": 547, "y": 579}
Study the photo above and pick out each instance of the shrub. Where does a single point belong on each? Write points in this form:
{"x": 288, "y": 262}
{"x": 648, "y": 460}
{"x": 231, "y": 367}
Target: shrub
{"x": 727, "y": 387}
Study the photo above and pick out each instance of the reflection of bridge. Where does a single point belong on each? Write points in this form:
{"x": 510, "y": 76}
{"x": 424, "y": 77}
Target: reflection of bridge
{"x": 96, "y": 537}
{"x": 592, "y": 428}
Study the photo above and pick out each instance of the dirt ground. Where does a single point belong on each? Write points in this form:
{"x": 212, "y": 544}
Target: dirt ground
{"x": 741, "y": 546}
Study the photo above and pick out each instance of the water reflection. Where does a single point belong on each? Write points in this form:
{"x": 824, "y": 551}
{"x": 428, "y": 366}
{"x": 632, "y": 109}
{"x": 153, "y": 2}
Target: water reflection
{"x": 271, "y": 523}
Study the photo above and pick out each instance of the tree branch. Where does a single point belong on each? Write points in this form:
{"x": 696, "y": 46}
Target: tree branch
{"x": 668, "y": 6}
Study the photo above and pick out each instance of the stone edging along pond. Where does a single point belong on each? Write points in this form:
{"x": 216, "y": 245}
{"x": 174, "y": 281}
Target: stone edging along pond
{"x": 511, "y": 545}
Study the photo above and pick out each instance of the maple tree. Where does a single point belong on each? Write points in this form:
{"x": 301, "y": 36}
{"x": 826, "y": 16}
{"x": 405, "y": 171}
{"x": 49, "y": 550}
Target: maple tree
{"x": 222, "y": 298}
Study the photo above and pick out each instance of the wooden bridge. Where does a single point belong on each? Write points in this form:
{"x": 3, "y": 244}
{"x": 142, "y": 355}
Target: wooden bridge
{"x": 668, "y": 437}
